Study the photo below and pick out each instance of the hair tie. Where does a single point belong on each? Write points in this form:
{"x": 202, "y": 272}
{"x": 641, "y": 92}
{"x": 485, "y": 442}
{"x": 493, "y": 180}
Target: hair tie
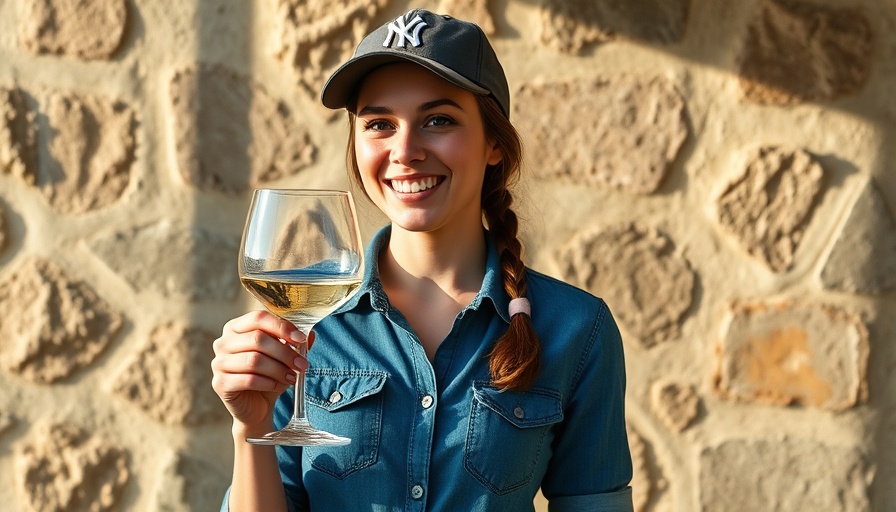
{"x": 520, "y": 305}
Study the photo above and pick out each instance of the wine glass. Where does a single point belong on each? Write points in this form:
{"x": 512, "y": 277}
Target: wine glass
{"x": 301, "y": 257}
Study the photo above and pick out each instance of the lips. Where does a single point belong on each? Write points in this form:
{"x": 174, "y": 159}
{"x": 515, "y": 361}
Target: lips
{"x": 412, "y": 186}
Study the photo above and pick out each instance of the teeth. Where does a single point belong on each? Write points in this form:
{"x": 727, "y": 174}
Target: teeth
{"x": 411, "y": 187}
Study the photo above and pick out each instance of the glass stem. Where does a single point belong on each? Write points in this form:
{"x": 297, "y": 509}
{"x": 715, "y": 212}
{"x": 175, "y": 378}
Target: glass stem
{"x": 298, "y": 411}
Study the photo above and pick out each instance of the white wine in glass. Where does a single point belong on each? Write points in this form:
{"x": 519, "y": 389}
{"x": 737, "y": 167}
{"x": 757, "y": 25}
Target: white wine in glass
{"x": 301, "y": 257}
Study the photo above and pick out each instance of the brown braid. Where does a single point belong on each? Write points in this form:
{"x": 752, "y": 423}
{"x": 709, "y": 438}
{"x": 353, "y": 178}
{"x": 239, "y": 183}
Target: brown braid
{"x": 515, "y": 361}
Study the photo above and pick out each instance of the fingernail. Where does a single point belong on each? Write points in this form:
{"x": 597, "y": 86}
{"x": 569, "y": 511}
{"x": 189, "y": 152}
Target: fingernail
{"x": 296, "y": 336}
{"x": 291, "y": 377}
{"x": 301, "y": 364}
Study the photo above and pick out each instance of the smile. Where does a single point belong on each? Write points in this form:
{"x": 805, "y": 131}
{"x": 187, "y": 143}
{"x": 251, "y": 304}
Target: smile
{"x": 414, "y": 186}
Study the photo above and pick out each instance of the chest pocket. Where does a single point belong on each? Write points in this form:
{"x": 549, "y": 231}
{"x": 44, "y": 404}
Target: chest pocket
{"x": 347, "y": 403}
{"x": 506, "y": 434}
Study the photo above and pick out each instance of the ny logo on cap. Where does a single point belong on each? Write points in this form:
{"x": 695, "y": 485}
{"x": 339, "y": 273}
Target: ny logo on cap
{"x": 405, "y": 31}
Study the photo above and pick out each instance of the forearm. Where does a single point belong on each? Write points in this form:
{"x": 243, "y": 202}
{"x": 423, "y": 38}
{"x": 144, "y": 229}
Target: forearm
{"x": 256, "y": 482}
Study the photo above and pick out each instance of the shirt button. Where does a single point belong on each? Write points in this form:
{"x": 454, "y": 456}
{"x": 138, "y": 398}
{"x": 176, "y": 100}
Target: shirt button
{"x": 335, "y": 397}
{"x": 426, "y": 402}
{"x": 519, "y": 412}
{"x": 417, "y": 492}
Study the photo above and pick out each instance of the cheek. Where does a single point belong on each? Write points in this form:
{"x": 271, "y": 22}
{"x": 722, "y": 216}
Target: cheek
{"x": 370, "y": 159}
{"x": 369, "y": 156}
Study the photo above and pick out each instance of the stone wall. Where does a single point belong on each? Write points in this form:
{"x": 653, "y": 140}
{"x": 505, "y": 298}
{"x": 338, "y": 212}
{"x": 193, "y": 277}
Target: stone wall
{"x": 720, "y": 172}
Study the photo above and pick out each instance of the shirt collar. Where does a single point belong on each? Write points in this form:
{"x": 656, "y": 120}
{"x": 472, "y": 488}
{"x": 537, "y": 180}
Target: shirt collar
{"x": 371, "y": 286}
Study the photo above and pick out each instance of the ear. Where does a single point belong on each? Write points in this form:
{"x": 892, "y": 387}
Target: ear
{"x": 495, "y": 155}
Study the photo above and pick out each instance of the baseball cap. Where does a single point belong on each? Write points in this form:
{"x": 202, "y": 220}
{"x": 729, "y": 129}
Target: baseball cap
{"x": 456, "y": 50}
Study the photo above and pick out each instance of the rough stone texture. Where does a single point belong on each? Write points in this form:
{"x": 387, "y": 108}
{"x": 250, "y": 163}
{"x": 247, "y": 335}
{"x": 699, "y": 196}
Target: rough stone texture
{"x": 185, "y": 261}
{"x": 60, "y": 469}
{"x": 793, "y": 353}
{"x": 190, "y": 484}
{"x": 230, "y": 134}
{"x": 52, "y": 325}
{"x": 88, "y": 30}
{"x": 863, "y": 259}
{"x": 4, "y": 236}
{"x": 470, "y": 10}
{"x": 315, "y": 38}
{"x": 676, "y": 404}
{"x": 568, "y": 26}
{"x": 18, "y": 136}
{"x": 92, "y": 149}
{"x": 622, "y": 133}
{"x": 769, "y": 205}
{"x": 791, "y": 474}
{"x": 647, "y": 285}
{"x": 642, "y": 484}
{"x": 797, "y": 51}
{"x": 6, "y": 421}
{"x": 169, "y": 377}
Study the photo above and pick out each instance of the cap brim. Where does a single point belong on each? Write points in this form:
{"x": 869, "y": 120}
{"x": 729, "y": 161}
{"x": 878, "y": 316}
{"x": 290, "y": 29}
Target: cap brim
{"x": 341, "y": 86}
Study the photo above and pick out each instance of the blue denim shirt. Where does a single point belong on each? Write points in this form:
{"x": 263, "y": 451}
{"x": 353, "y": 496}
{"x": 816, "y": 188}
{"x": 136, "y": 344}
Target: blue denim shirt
{"x": 436, "y": 436}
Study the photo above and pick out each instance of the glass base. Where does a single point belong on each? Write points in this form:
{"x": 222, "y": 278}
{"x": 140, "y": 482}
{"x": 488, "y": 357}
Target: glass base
{"x": 298, "y": 432}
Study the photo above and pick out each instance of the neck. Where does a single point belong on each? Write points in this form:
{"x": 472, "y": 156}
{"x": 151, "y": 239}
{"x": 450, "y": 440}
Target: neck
{"x": 451, "y": 263}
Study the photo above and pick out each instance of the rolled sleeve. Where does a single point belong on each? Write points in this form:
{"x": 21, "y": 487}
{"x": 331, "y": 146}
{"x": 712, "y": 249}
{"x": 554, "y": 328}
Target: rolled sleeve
{"x": 619, "y": 501}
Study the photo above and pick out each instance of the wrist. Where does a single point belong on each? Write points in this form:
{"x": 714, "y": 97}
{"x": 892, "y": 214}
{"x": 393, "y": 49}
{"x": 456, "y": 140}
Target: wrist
{"x": 240, "y": 431}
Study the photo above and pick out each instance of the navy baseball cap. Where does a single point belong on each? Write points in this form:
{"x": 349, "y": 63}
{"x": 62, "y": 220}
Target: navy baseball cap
{"x": 456, "y": 50}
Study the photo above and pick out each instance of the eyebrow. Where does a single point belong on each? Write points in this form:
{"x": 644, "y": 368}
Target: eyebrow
{"x": 429, "y": 105}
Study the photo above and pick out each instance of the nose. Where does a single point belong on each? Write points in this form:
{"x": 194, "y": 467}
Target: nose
{"x": 407, "y": 146}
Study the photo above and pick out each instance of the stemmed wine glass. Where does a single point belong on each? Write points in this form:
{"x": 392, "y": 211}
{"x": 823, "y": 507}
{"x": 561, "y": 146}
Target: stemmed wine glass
{"x": 301, "y": 257}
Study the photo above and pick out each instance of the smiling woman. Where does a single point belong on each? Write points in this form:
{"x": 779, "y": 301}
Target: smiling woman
{"x": 503, "y": 381}
{"x": 412, "y": 128}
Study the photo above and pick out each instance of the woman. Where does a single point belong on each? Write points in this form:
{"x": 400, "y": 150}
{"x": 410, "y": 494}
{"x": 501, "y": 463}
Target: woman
{"x": 465, "y": 380}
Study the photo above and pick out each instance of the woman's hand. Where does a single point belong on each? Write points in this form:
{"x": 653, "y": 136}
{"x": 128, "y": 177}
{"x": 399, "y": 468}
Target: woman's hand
{"x": 254, "y": 363}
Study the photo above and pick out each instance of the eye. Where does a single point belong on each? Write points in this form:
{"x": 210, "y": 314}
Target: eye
{"x": 439, "y": 120}
{"x": 377, "y": 125}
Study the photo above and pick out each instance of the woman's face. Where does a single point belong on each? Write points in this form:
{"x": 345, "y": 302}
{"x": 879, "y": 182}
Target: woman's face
{"x": 421, "y": 149}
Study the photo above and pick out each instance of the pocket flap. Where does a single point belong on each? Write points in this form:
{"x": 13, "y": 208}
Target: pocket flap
{"x": 532, "y": 408}
{"x": 333, "y": 389}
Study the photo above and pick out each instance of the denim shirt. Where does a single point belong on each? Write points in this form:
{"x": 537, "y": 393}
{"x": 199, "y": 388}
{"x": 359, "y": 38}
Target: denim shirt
{"x": 436, "y": 436}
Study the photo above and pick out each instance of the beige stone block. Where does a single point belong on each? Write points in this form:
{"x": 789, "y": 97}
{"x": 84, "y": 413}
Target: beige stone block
{"x": 60, "y": 468}
{"x": 18, "y": 135}
{"x": 470, "y": 10}
{"x": 768, "y": 206}
{"x": 88, "y": 30}
{"x": 92, "y": 148}
{"x": 621, "y": 133}
{"x": 230, "y": 135}
{"x": 176, "y": 260}
{"x": 568, "y": 26}
{"x": 675, "y": 403}
{"x": 798, "y": 51}
{"x": 790, "y": 474}
{"x": 190, "y": 484}
{"x": 793, "y": 353}
{"x": 169, "y": 377}
{"x": 863, "y": 259}
{"x": 648, "y": 286}
{"x": 316, "y": 36}
{"x": 53, "y": 325}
